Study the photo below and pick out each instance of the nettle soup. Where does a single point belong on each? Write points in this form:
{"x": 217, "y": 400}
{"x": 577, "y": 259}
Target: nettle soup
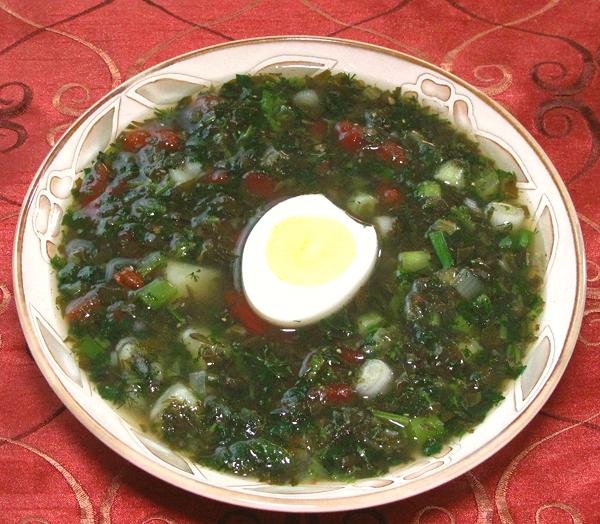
{"x": 299, "y": 279}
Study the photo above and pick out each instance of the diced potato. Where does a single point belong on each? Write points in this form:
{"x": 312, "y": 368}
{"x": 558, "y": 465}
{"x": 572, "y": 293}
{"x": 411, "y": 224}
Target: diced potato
{"x": 203, "y": 284}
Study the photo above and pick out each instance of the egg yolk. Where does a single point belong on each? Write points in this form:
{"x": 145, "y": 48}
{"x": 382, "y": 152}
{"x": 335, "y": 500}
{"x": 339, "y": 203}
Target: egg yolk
{"x": 310, "y": 250}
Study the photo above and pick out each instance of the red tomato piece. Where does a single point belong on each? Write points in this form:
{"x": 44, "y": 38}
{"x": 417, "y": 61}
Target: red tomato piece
{"x": 129, "y": 278}
{"x": 336, "y": 394}
{"x": 390, "y": 196}
{"x": 391, "y": 153}
{"x": 218, "y": 177}
{"x": 241, "y": 311}
{"x": 82, "y": 308}
{"x": 167, "y": 139}
{"x": 260, "y": 184}
{"x": 351, "y": 356}
{"x": 94, "y": 183}
{"x": 117, "y": 187}
{"x": 318, "y": 129}
{"x": 350, "y": 136}
{"x": 134, "y": 140}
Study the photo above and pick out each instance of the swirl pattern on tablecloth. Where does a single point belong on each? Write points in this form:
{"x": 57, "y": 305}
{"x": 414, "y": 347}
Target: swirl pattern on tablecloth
{"x": 10, "y": 108}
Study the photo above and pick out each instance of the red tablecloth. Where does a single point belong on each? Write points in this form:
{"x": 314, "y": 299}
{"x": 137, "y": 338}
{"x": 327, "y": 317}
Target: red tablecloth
{"x": 538, "y": 58}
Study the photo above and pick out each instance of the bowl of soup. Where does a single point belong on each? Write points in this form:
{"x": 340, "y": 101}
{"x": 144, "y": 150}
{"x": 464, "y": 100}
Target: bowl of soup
{"x": 300, "y": 274}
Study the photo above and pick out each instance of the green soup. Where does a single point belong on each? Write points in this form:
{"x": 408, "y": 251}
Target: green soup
{"x": 148, "y": 278}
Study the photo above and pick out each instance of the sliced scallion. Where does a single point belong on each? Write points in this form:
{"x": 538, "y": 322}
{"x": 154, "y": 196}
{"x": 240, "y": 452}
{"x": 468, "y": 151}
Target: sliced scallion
{"x": 157, "y": 293}
{"x": 451, "y": 173}
{"x": 502, "y": 215}
{"x": 428, "y": 190}
{"x": 413, "y": 261}
{"x": 468, "y": 284}
{"x": 368, "y": 322}
{"x": 438, "y": 241}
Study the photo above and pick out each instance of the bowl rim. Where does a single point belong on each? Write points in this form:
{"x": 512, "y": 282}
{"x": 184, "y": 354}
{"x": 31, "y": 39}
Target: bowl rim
{"x": 301, "y": 503}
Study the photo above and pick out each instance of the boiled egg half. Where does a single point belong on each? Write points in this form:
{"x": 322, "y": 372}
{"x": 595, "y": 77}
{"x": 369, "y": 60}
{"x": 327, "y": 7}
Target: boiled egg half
{"x": 305, "y": 259}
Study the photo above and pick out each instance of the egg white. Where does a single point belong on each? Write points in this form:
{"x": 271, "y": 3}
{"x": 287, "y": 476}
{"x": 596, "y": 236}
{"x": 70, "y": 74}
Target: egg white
{"x": 288, "y": 305}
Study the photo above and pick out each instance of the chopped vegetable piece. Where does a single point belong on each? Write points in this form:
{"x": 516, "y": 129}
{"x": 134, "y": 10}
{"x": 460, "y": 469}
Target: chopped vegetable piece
{"x": 241, "y": 310}
{"x": 487, "y": 185}
{"x": 351, "y": 356}
{"x": 94, "y": 183}
{"x": 390, "y": 196}
{"x": 277, "y": 113}
{"x": 362, "y": 205}
{"x": 461, "y": 325}
{"x": 57, "y": 262}
{"x": 451, "y": 173}
{"x": 134, "y": 140}
{"x": 198, "y": 381}
{"x": 91, "y": 348}
{"x": 438, "y": 241}
{"x": 391, "y": 153}
{"x": 502, "y": 214}
{"x": 335, "y": 394}
{"x": 350, "y": 136}
{"x": 468, "y": 284}
{"x": 429, "y": 190}
{"x": 129, "y": 278}
{"x": 188, "y": 171}
{"x": 308, "y": 99}
{"x": 421, "y": 429}
{"x": 260, "y": 184}
{"x": 426, "y": 428}
{"x": 483, "y": 303}
{"x": 469, "y": 347}
{"x": 203, "y": 284}
{"x": 413, "y": 261}
{"x": 374, "y": 378}
{"x": 384, "y": 224}
{"x": 445, "y": 225}
{"x": 167, "y": 139}
{"x": 369, "y": 322}
{"x": 520, "y": 239}
{"x": 157, "y": 293}
{"x": 83, "y": 308}
{"x": 151, "y": 262}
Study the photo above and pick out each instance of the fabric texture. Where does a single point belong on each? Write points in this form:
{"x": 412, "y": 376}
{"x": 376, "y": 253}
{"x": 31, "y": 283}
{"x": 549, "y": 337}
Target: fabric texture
{"x": 540, "y": 59}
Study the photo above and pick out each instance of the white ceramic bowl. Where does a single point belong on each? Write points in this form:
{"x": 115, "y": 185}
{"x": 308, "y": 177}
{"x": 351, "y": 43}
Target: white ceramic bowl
{"x": 500, "y": 136}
